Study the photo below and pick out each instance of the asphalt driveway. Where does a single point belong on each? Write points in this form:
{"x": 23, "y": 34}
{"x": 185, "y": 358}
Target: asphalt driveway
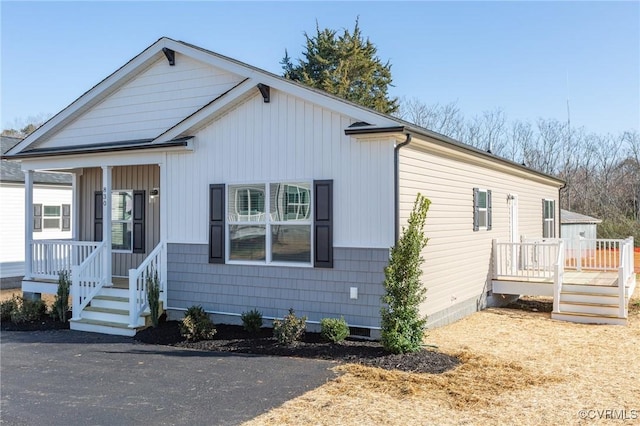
{"x": 74, "y": 378}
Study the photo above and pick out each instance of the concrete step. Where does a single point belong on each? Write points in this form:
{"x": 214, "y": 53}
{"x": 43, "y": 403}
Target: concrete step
{"x": 589, "y": 308}
{"x": 588, "y": 318}
{"x": 110, "y": 302}
{"x": 103, "y": 327}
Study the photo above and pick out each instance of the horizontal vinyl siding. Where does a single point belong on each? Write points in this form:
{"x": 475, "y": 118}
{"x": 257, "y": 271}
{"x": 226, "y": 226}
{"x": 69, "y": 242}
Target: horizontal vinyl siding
{"x": 457, "y": 259}
{"x": 285, "y": 140}
{"x": 12, "y": 218}
{"x": 152, "y": 102}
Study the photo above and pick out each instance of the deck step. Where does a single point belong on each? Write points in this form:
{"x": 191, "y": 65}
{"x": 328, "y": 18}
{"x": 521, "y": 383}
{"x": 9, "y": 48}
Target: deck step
{"x": 590, "y": 288}
{"x": 112, "y": 302}
{"x": 585, "y": 318}
{"x": 589, "y": 308}
{"x": 103, "y": 327}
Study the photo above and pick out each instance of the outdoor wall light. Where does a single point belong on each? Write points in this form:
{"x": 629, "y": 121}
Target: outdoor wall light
{"x": 153, "y": 194}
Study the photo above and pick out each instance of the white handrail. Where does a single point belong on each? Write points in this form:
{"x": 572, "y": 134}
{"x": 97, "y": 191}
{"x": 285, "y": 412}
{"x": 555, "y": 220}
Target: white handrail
{"x": 599, "y": 254}
{"x": 87, "y": 279}
{"x": 50, "y": 257}
{"x": 138, "y": 280}
{"x": 531, "y": 260}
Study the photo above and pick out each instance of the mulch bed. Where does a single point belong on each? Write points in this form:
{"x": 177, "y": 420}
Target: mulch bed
{"x": 44, "y": 323}
{"x": 230, "y": 338}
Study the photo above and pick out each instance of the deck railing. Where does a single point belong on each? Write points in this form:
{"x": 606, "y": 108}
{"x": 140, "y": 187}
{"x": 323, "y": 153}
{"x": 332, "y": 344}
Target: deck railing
{"x": 139, "y": 278}
{"x": 50, "y": 257}
{"x": 87, "y": 279}
{"x": 626, "y": 276}
{"x": 558, "y": 272}
{"x": 530, "y": 260}
{"x": 593, "y": 254}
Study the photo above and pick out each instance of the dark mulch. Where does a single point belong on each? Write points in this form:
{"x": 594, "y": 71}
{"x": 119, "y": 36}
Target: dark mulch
{"x": 230, "y": 338}
{"x": 44, "y": 323}
{"x": 532, "y": 304}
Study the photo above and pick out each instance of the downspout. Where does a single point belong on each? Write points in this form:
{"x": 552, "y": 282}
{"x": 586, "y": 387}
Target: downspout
{"x": 396, "y": 182}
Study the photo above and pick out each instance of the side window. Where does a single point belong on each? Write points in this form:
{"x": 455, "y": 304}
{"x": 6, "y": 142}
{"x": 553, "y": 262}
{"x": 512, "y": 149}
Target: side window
{"x": 481, "y": 209}
{"x": 548, "y": 218}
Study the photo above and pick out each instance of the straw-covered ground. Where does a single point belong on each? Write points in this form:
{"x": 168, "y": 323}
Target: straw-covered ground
{"x": 517, "y": 367}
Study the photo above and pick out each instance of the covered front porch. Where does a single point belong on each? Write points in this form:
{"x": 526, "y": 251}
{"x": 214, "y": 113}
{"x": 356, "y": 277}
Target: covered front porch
{"x": 115, "y": 252}
{"x": 591, "y": 281}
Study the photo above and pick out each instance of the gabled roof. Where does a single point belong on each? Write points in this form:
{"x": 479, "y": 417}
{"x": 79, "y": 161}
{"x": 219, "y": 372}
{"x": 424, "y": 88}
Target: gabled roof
{"x": 10, "y": 171}
{"x": 568, "y": 217}
{"x": 252, "y": 79}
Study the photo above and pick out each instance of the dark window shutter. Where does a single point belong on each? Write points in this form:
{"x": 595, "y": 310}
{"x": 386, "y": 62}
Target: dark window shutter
{"x": 475, "y": 210}
{"x": 139, "y": 215}
{"x": 97, "y": 221}
{"x": 216, "y": 223}
{"x": 37, "y": 217}
{"x": 488, "y": 210}
{"x": 323, "y": 223}
{"x": 66, "y": 217}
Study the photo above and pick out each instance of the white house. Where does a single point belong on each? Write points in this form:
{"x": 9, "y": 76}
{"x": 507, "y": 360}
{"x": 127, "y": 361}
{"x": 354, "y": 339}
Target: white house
{"x": 52, "y": 201}
{"x": 244, "y": 190}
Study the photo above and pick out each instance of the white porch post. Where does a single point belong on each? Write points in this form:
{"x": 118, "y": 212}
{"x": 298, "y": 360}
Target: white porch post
{"x": 75, "y": 207}
{"x": 28, "y": 224}
{"x": 164, "y": 199}
{"x": 106, "y": 221}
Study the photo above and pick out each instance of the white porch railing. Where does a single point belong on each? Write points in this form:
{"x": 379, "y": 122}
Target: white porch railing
{"x": 530, "y": 260}
{"x": 139, "y": 278}
{"x": 558, "y": 278}
{"x": 593, "y": 254}
{"x": 87, "y": 279}
{"x": 50, "y": 257}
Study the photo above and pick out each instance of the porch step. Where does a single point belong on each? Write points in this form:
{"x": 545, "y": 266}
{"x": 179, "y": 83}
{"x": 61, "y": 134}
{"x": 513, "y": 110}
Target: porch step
{"x": 103, "y": 327}
{"x": 585, "y": 318}
{"x": 589, "y": 308}
{"x": 114, "y": 292}
{"x": 590, "y": 288}
{"x": 593, "y": 298}
{"x": 112, "y": 302}
{"x": 119, "y": 316}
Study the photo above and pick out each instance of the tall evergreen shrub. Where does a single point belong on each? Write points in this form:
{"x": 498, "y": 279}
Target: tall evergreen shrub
{"x": 402, "y": 325}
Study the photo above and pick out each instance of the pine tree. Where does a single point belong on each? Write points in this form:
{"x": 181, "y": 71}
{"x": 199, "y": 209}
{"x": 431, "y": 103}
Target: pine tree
{"x": 346, "y": 66}
{"x": 402, "y": 325}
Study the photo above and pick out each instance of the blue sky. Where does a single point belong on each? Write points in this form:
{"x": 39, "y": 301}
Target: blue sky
{"x": 525, "y": 58}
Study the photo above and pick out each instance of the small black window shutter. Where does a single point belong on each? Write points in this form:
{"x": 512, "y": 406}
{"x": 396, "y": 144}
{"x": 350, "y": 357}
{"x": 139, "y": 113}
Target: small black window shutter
{"x": 488, "y": 210}
{"x": 139, "y": 215}
{"x": 216, "y": 223}
{"x": 475, "y": 209}
{"x": 37, "y": 218}
{"x": 323, "y": 223}
{"x": 66, "y": 217}
{"x": 97, "y": 221}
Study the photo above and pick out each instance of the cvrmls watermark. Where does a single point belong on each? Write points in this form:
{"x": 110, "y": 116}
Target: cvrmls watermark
{"x": 609, "y": 414}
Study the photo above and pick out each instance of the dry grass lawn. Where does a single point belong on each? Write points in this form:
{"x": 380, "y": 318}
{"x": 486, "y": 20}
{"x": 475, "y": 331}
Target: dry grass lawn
{"x": 518, "y": 368}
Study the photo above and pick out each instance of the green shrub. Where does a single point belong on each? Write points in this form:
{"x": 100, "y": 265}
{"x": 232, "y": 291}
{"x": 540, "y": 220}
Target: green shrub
{"x": 61, "y": 303}
{"x": 8, "y": 306}
{"x": 333, "y": 329}
{"x": 28, "y": 310}
{"x": 153, "y": 297}
{"x": 252, "y": 320}
{"x": 289, "y": 329}
{"x": 402, "y": 326}
{"x": 196, "y": 325}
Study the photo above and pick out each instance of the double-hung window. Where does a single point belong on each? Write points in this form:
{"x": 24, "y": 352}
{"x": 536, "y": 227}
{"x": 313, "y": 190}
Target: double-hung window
{"x": 269, "y": 222}
{"x": 51, "y": 217}
{"x": 548, "y": 218}
{"x": 481, "y": 209}
{"x": 122, "y": 220}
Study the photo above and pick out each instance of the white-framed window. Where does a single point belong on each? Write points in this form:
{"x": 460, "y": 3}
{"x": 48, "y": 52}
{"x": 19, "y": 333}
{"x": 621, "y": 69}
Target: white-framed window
{"x": 548, "y": 218}
{"x": 122, "y": 220}
{"x": 269, "y": 222}
{"x": 481, "y": 209}
{"x": 51, "y": 217}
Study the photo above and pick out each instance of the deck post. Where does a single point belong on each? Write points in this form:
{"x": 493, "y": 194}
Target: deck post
{"x": 622, "y": 300}
{"x": 494, "y": 250}
{"x": 106, "y": 222}
{"x": 579, "y": 256}
{"x": 28, "y": 224}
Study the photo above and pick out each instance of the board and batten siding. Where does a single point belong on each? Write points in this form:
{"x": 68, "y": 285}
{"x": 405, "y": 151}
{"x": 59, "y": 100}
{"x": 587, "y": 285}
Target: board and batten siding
{"x": 155, "y": 100}
{"x": 143, "y": 177}
{"x": 457, "y": 263}
{"x": 12, "y": 217}
{"x": 287, "y": 139}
